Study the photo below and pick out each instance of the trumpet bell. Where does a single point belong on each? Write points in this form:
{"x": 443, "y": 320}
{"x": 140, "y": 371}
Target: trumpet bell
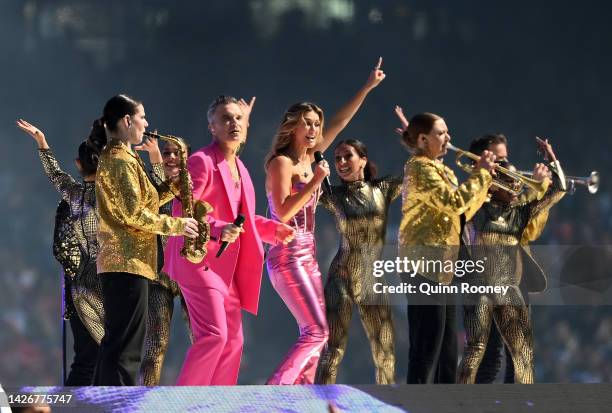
{"x": 591, "y": 182}
{"x": 593, "y": 185}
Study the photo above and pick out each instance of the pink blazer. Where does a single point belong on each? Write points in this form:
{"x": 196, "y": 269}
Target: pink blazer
{"x": 242, "y": 261}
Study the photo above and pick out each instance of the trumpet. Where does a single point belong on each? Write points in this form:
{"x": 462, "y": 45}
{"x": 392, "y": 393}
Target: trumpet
{"x": 519, "y": 180}
{"x": 591, "y": 182}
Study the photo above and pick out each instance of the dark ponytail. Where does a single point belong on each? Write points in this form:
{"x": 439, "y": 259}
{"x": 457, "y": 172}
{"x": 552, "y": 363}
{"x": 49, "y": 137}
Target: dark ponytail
{"x": 370, "y": 169}
{"x": 116, "y": 108}
{"x": 90, "y": 149}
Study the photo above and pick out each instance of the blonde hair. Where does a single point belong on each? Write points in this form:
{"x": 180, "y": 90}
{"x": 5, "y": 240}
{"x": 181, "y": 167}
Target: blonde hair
{"x": 291, "y": 119}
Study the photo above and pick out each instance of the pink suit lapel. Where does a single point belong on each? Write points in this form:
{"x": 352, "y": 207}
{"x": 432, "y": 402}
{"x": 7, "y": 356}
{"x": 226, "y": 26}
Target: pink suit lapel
{"x": 247, "y": 189}
{"x": 226, "y": 176}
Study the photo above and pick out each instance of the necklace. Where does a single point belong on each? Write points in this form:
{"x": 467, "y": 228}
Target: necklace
{"x": 304, "y": 171}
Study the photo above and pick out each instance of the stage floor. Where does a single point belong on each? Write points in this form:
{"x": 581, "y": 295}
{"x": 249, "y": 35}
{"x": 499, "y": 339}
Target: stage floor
{"x": 556, "y": 398}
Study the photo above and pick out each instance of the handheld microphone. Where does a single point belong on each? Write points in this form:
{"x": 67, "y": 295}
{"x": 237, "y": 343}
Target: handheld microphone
{"x": 326, "y": 185}
{"x": 238, "y": 222}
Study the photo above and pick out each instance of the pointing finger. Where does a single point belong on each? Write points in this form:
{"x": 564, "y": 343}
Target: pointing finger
{"x": 379, "y": 64}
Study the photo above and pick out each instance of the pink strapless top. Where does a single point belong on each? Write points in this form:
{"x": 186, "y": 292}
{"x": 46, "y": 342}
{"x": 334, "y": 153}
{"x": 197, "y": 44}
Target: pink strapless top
{"x": 303, "y": 220}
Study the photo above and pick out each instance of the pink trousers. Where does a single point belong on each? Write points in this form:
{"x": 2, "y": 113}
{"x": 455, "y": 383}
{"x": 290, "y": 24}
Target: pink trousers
{"x": 216, "y": 321}
{"x": 295, "y": 275}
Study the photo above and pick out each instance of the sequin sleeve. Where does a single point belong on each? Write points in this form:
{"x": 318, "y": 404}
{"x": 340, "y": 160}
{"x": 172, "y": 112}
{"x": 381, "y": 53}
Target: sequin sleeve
{"x": 119, "y": 190}
{"x": 63, "y": 182}
{"x": 327, "y": 202}
{"x": 391, "y": 186}
{"x": 534, "y": 228}
{"x": 166, "y": 189}
{"x": 437, "y": 193}
{"x": 551, "y": 197}
{"x": 158, "y": 173}
{"x": 530, "y": 194}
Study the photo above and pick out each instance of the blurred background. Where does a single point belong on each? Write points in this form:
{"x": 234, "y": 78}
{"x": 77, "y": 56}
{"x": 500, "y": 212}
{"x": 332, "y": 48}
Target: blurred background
{"x": 516, "y": 67}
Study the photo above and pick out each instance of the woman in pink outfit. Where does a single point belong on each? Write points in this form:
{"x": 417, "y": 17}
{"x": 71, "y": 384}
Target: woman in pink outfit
{"x": 293, "y": 190}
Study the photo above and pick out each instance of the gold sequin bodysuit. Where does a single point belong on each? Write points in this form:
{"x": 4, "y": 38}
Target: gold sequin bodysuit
{"x": 495, "y": 232}
{"x": 360, "y": 209}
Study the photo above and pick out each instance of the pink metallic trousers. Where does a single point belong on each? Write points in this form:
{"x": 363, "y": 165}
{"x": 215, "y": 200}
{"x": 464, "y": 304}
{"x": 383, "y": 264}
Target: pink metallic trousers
{"x": 295, "y": 275}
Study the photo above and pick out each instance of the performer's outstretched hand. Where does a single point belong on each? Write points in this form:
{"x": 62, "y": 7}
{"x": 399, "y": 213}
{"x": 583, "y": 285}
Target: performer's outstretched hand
{"x": 546, "y": 149}
{"x": 34, "y": 132}
{"x": 376, "y": 76}
{"x": 247, "y": 108}
{"x": 344, "y": 115}
{"x": 399, "y": 112}
{"x": 284, "y": 233}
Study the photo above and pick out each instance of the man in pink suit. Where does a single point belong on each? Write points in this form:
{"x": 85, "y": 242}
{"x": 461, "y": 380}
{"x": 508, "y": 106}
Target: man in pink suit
{"x": 218, "y": 288}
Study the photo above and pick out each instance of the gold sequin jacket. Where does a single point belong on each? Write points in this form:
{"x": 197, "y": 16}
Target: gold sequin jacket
{"x": 128, "y": 205}
{"x": 432, "y": 205}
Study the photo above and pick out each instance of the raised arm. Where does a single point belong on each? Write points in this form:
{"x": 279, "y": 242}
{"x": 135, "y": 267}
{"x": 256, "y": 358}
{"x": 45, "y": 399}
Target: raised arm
{"x": 546, "y": 149}
{"x": 278, "y": 184}
{"x": 151, "y": 146}
{"x": 551, "y": 173}
{"x": 391, "y": 187}
{"x": 166, "y": 188}
{"x": 34, "y": 132}
{"x": 542, "y": 172}
{"x": 399, "y": 112}
{"x": 62, "y": 181}
{"x": 346, "y": 112}
{"x": 246, "y": 108}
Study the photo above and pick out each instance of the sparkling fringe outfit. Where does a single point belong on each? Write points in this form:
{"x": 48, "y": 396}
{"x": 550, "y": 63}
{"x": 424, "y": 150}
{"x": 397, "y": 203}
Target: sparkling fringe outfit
{"x": 432, "y": 205}
{"x": 162, "y": 292}
{"x": 294, "y": 274}
{"x": 361, "y": 210}
{"x": 75, "y": 246}
{"x": 495, "y": 232}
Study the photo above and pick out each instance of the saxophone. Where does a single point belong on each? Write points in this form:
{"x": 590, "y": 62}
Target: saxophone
{"x": 194, "y": 249}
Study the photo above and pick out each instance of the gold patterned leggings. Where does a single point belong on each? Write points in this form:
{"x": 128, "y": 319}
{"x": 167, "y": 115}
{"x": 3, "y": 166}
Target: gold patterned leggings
{"x": 161, "y": 306}
{"x": 86, "y": 290}
{"x": 340, "y": 295}
{"x": 512, "y": 318}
